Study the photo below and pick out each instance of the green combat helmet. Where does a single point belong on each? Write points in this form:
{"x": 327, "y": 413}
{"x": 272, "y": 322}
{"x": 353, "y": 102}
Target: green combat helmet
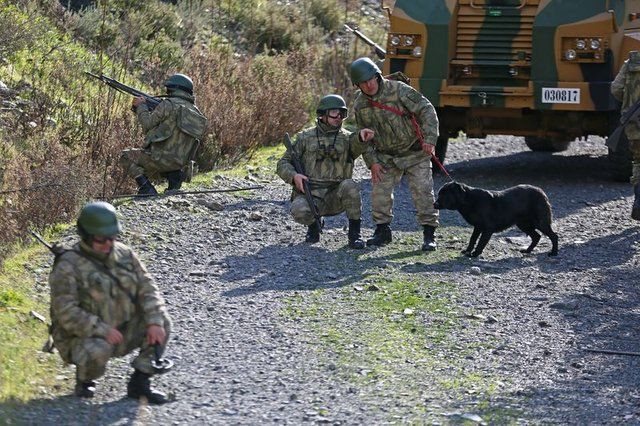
{"x": 98, "y": 218}
{"x": 332, "y": 102}
{"x": 363, "y": 69}
{"x": 180, "y": 81}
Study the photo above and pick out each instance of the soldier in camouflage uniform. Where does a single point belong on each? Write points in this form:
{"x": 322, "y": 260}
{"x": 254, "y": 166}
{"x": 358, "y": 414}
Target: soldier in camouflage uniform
{"x": 385, "y": 106}
{"x": 172, "y": 130}
{"x": 626, "y": 88}
{"x": 327, "y": 153}
{"x": 104, "y": 304}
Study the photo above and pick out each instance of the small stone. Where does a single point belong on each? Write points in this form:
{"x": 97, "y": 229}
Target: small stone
{"x": 475, "y": 270}
{"x": 197, "y": 273}
{"x": 255, "y": 216}
{"x": 373, "y": 287}
{"x": 358, "y": 288}
{"x": 38, "y": 316}
{"x": 408, "y": 311}
{"x": 544, "y": 323}
{"x": 570, "y": 305}
{"x": 491, "y": 320}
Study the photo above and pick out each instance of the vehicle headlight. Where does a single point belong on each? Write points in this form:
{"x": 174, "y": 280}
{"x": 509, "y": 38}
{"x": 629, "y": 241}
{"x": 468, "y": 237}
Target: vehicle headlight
{"x": 594, "y": 44}
{"x": 408, "y": 40}
{"x": 581, "y": 44}
{"x": 395, "y": 40}
{"x": 417, "y": 51}
{"x": 570, "y": 55}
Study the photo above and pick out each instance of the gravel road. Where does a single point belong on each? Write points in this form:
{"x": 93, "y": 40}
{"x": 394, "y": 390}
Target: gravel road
{"x": 268, "y": 329}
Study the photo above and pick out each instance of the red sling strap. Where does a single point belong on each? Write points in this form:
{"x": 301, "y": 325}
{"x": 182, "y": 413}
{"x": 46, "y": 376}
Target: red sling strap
{"x": 416, "y": 128}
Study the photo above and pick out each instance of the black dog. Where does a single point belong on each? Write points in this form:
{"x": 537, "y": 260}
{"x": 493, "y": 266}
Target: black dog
{"x": 525, "y": 206}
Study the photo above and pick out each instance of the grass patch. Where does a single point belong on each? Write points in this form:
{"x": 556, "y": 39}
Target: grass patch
{"x": 395, "y": 334}
{"x": 25, "y": 371}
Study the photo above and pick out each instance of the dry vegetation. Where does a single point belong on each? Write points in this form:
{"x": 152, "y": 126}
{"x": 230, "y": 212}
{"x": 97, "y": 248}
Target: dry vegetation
{"x": 258, "y": 67}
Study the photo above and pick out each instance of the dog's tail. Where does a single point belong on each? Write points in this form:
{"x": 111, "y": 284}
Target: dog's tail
{"x": 544, "y": 213}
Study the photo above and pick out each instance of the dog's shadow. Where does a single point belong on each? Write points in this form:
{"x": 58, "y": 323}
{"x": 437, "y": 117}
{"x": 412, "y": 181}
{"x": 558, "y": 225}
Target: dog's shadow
{"x": 600, "y": 253}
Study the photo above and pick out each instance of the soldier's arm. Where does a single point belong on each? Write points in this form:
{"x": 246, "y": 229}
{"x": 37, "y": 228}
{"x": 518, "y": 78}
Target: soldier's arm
{"x": 285, "y": 168}
{"x": 149, "y": 298}
{"x": 150, "y": 119}
{"x": 65, "y": 304}
{"x": 368, "y": 151}
{"x": 417, "y": 104}
{"x": 356, "y": 146}
{"x": 617, "y": 85}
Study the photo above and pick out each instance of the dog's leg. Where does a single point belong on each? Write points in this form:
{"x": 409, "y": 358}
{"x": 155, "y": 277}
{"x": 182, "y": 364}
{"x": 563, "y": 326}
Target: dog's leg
{"x": 535, "y": 237}
{"x": 472, "y": 241}
{"x": 546, "y": 230}
{"x": 484, "y": 239}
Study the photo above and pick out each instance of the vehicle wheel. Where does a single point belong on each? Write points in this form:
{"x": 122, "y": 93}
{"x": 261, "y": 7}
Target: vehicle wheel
{"x": 620, "y": 161}
{"x": 546, "y": 145}
{"x": 441, "y": 152}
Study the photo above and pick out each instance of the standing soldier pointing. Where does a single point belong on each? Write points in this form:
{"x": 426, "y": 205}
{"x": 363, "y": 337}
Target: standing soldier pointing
{"x": 172, "y": 130}
{"x": 104, "y": 304}
{"x": 387, "y": 107}
{"x": 327, "y": 153}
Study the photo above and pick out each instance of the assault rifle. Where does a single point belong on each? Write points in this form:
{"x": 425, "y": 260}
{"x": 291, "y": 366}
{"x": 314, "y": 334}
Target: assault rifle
{"x": 297, "y": 164}
{"x": 379, "y": 50}
{"x": 632, "y": 114}
{"x": 152, "y": 101}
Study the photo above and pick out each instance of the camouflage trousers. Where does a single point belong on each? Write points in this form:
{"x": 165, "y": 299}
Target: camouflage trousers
{"x": 634, "y": 147}
{"x": 138, "y": 162}
{"x": 421, "y": 187}
{"x": 90, "y": 355}
{"x": 344, "y": 198}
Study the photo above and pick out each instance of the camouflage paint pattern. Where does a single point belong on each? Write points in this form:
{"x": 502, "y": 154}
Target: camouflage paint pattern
{"x": 395, "y": 141}
{"x": 327, "y": 155}
{"x": 484, "y": 63}
{"x": 626, "y": 88}
{"x": 343, "y": 198}
{"x": 167, "y": 144}
{"x": 86, "y": 303}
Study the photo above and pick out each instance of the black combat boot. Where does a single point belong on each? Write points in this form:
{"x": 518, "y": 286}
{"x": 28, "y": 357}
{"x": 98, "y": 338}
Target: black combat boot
{"x": 85, "y": 389}
{"x": 381, "y": 236}
{"x": 144, "y": 186}
{"x": 175, "y": 179}
{"x": 140, "y": 385}
{"x": 428, "y": 232}
{"x": 355, "y": 242}
{"x": 313, "y": 233}
{"x": 635, "y": 210}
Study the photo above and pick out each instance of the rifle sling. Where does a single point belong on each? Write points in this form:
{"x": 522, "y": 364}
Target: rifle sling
{"x": 105, "y": 270}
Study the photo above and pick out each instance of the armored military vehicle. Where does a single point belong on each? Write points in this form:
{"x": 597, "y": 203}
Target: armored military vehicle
{"x": 541, "y": 69}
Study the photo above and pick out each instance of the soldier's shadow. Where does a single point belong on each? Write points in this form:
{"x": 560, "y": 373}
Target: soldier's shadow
{"x": 71, "y": 410}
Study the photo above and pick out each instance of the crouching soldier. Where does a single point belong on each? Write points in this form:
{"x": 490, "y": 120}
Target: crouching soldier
{"x": 327, "y": 153}
{"x": 105, "y": 304}
{"x": 173, "y": 130}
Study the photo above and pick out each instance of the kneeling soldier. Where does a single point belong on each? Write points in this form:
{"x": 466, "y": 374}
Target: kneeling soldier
{"x": 105, "y": 304}
{"x": 327, "y": 152}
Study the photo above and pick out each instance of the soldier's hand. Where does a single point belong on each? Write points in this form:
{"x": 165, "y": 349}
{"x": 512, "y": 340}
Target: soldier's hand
{"x": 298, "y": 181}
{"x": 376, "y": 173}
{"x": 366, "y": 135}
{"x": 428, "y": 149}
{"x": 156, "y": 335}
{"x": 114, "y": 337}
{"x": 137, "y": 101}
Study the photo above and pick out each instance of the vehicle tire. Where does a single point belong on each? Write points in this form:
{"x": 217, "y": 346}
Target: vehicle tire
{"x": 620, "y": 161}
{"x": 441, "y": 152}
{"x": 546, "y": 145}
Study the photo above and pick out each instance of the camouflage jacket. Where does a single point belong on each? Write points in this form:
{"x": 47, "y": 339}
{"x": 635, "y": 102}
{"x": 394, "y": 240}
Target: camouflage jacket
{"x": 86, "y": 301}
{"x": 172, "y": 129}
{"x": 326, "y": 154}
{"x": 626, "y": 88}
{"x": 395, "y": 143}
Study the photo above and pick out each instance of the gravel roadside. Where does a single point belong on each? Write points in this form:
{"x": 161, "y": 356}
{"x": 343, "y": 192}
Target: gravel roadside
{"x": 269, "y": 329}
